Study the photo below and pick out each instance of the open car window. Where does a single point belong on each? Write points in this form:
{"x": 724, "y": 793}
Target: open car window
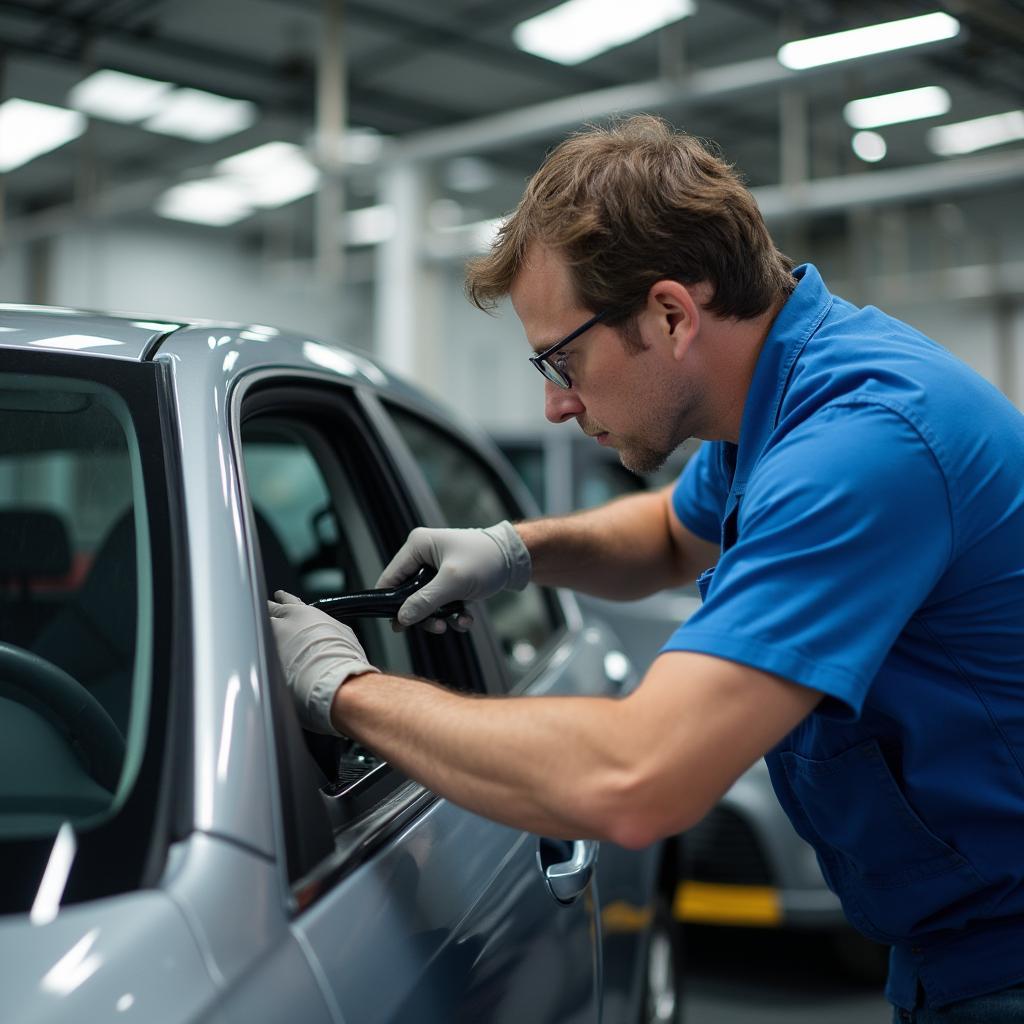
{"x": 316, "y": 540}
{"x": 315, "y": 532}
{"x": 470, "y": 494}
{"x": 325, "y": 513}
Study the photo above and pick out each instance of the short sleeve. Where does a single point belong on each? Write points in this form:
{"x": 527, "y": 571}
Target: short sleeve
{"x": 843, "y": 531}
{"x": 699, "y": 495}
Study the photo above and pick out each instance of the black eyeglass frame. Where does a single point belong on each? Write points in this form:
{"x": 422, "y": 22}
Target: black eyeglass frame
{"x": 558, "y": 377}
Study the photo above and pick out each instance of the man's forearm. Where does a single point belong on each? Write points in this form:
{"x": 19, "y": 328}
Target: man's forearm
{"x": 622, "y": 550}
{"x": 509, "y": 759}
{"x": 629, "y": 770}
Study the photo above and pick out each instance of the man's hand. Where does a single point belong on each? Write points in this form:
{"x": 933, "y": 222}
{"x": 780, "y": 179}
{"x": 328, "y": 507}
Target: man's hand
{"x": 471, "y": 565}
{"x": 318, "y": 654}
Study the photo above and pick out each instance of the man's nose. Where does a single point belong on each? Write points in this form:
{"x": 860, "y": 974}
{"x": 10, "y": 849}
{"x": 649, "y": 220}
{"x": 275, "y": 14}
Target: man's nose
{"x": 561, "y": 405}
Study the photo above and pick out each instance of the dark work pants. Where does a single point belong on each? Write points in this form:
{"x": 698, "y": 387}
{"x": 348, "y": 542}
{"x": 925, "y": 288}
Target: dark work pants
{"x": 1005, "y": 1007}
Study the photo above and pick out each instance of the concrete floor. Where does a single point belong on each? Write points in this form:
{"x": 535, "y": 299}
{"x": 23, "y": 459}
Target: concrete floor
{"x": 753, "y": 976}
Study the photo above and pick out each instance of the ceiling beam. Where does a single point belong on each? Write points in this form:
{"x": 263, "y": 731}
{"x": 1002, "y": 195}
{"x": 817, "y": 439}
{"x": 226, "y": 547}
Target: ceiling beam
{"x": 902, "y": 184}
{"x": 543, "y": 120}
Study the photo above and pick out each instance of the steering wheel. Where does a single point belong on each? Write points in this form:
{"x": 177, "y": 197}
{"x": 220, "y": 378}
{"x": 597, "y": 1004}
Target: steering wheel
{"x": 33, "y": 681}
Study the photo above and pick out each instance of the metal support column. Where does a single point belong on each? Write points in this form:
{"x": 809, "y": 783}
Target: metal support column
{"x": 331, "y": 116}
{"x": 672, "y": 52}
{"x": 1007, "y": 365}
{"x": 794, "y": 148}
{"x": 407, "y": 299}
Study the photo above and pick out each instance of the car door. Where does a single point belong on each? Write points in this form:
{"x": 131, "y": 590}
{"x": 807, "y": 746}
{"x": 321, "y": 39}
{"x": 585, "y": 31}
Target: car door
{"x": 529, "y": 627}
{"x": 409, "y": 908}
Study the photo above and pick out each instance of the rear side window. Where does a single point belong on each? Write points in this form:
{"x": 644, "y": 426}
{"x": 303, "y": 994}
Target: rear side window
{"x": 471, "y": 494}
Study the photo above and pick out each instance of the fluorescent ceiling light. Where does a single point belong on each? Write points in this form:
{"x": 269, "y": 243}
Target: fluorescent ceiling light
{"x": 29, "y": 129}
{"x": 980, "y": 133}
{"x": 267, "y": 176}
{"x": 270, "y": 175}
{"x": 213, "y": 201}
{"x": 116, "y": 96}
{"x": 897, "y": 107}
{"x": 862, "y": 42}
{"x": 869, "y": 146}
{"x": 577, "y": 30}
{"x": 201, "y": 116}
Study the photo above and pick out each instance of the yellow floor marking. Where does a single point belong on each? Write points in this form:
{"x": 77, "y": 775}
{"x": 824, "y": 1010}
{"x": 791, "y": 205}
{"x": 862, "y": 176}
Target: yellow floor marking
{"x": 712, "y": 903}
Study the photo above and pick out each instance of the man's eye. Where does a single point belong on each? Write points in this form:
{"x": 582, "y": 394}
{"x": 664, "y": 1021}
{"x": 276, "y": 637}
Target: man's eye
{"x": 560, "y": 360}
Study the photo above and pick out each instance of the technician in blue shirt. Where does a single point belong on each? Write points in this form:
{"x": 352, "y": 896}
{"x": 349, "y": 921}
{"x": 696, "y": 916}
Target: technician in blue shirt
{"x": 861, "y": 504}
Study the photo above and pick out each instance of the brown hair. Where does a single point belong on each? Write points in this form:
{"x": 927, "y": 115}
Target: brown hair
{"x": 632, "y": 203}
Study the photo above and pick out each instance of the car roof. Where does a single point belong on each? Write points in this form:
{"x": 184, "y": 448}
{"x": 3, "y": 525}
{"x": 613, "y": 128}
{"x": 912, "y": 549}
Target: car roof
{"x": 87, "y": 334}
{"x": 139, "y": 338}
{"x": 56, "y": 329}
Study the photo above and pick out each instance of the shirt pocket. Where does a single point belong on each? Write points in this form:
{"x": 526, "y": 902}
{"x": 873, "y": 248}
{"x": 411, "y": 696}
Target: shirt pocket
{"x": 893, "y": 875}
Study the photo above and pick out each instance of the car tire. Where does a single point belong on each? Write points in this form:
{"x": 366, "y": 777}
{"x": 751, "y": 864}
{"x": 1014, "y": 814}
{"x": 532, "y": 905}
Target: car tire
{"x": 664, "y": 966}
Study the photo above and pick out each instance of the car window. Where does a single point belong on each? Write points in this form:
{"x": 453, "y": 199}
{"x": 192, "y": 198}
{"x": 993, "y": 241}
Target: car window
{"x": 317, "y": 539}
{"x": 470, "y": 494}
{"x": 75, "y": 623}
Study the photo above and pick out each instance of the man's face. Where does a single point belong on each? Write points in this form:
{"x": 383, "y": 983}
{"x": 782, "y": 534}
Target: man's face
{"x": 635, "y": 402}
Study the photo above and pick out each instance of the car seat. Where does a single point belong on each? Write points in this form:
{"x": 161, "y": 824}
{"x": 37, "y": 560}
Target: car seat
{"x": 93, "y": 636}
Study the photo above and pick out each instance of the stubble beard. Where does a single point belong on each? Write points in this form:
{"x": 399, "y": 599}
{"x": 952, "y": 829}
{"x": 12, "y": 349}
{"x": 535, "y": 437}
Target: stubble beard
{"x": 644, "y": 460}
{"x": 643, "y": 456}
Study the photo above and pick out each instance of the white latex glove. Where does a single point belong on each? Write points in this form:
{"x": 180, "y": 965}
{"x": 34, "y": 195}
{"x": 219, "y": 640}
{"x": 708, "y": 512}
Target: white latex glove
{"x": 471, "y": 565}
{"x": 318, "y": 654}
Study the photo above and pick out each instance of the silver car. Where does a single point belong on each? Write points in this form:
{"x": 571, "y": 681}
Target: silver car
{"x": 173, "y": 847}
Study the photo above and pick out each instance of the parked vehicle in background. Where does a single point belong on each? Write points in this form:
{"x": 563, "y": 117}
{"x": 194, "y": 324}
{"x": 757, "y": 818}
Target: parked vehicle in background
{"x": 173, "y": 847}
{"x": 744, "y": 865}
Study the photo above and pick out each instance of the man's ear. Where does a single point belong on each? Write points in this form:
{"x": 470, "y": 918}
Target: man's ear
{"x": 674, "y": 311}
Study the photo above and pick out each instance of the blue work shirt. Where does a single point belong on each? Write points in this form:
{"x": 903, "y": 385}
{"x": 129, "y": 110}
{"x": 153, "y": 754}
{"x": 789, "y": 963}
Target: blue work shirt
{"x": 871, "y": 521}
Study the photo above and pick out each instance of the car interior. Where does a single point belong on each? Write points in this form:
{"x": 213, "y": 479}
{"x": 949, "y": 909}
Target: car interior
{"x": 67, "y": 562}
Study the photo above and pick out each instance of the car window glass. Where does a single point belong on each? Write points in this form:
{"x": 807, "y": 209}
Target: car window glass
{"x": 73, "y": 616}
{"x": 471, "y": 495}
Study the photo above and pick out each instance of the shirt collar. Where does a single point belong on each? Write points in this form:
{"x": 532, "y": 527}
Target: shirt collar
{"x": 799, "y": 318}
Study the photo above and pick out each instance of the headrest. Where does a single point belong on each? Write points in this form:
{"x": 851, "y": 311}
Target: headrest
{"x": 33, "y": 542}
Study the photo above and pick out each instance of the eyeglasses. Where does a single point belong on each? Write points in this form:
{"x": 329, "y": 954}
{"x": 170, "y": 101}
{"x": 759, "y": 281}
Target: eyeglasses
{"x": 541, "y": 360}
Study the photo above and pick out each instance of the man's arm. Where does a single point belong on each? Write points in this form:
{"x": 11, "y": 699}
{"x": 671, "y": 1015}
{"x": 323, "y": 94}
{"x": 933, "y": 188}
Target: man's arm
{"x": 629, "y": 548}
{"x": 629, "y": 770}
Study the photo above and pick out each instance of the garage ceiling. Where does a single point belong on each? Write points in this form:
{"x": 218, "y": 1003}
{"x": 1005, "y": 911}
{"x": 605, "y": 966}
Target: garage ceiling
{"x": 413, "y": 68}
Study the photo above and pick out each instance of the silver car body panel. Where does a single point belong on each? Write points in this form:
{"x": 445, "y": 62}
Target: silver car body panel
{"x": 406, "y": 907}
{"x": 85, "y": 964}
{"x": 230, "y": 724}
{"x": 70, "y": 330}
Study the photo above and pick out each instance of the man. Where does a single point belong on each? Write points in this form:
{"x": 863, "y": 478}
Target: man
{"x": 863, "y": 626}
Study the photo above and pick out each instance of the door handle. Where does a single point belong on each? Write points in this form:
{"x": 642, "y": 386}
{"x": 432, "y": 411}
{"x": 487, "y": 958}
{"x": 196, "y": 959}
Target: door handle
{"x": 567, "y": 867}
